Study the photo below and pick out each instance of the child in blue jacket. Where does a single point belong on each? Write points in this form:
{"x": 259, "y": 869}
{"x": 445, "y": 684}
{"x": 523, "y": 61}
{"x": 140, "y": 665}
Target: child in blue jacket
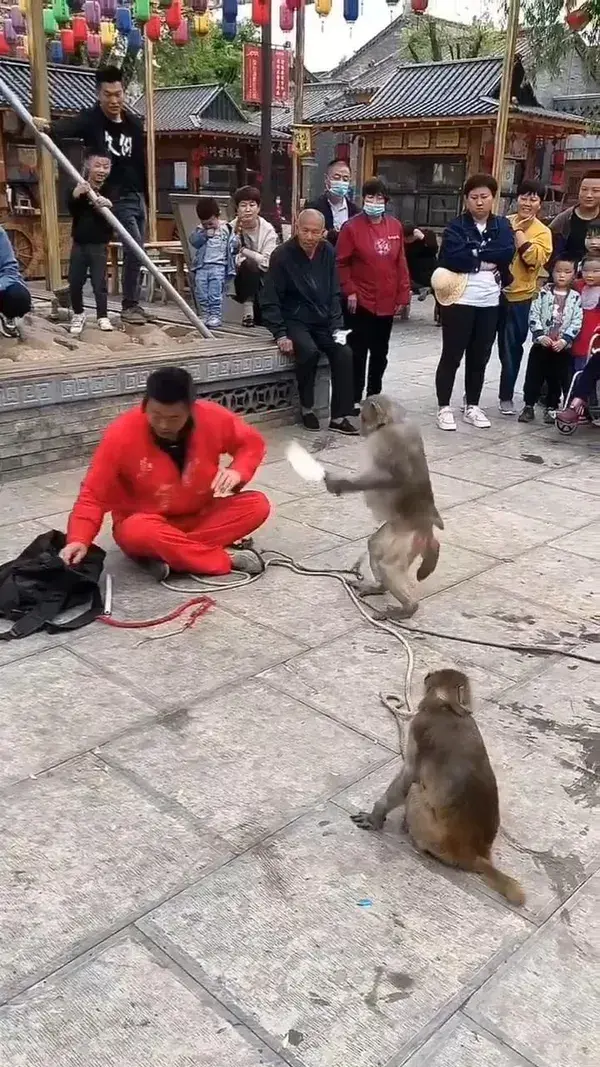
{"x": 214, "y": 260}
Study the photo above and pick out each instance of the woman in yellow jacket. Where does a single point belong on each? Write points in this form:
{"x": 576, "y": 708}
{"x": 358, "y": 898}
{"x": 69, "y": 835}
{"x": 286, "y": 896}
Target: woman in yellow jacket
{"x": 533, "y": 241}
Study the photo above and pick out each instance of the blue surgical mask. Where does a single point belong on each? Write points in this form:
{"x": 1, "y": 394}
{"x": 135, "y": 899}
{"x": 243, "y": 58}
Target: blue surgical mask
{"x": 374, "y": 210}
{"x": 339, "y": 188}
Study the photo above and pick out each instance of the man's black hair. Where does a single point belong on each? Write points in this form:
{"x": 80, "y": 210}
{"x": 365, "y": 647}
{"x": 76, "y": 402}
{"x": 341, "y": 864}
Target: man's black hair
{"x": 335, "y": 162}
{"x": 590, "y": 174}
{"x": 108, "y": 75}
{"x": 375, "y": 187}
{"x": 591, "y": 257}
{"x": 207, "y": 208}
{"x": 170, "y": 385}
{"x": 533, "y": 187}
{"x": 95, "y": 153}
{"x": 565, "y": 259}
{"x": 480, "y": 181}
{"x": 246, "y": 192}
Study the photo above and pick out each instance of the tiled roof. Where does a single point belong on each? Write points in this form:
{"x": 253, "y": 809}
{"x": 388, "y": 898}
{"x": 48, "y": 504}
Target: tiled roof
{"x": 71, "y": 88}
{"x": 581, "y": 104}
{"x": 430, "y": 89}
{"x": 317, "y": 97}
{"x": 174, "y": 105}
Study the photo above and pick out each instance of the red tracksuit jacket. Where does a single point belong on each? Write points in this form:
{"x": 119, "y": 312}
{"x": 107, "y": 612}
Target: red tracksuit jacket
{"x": 130, "y": 474}
{"x": 372, "y": 263}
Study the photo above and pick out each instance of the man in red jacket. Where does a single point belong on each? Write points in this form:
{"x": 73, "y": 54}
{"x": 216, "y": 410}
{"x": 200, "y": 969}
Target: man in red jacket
{"x": 157, "y": 471}
{"x": 375, "y": 282}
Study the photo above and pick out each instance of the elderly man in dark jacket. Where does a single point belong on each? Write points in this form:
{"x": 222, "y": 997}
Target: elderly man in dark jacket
{"x": 300, "y": 304}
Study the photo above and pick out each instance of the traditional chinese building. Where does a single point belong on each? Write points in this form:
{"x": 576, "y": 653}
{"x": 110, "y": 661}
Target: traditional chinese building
{"x": 206, "y": 142}
{"x": 431, "y": 124}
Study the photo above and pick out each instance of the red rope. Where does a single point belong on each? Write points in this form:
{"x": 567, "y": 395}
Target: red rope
{"x": 200, "y": 605}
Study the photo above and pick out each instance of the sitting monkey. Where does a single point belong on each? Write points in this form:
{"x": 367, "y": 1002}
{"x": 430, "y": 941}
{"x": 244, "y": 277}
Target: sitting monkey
{"x": 447, "y": 785}
{"x": 398, "y": 492}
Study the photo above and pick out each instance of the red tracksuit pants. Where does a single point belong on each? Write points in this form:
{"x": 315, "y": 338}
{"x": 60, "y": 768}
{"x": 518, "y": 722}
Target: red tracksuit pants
{"x": 195, "y": 544}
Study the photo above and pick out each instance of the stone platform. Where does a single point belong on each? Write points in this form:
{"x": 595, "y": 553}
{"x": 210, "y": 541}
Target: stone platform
{"x": 180, "y": 882}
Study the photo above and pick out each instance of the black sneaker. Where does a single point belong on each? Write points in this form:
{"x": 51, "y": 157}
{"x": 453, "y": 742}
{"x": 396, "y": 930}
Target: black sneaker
{"x": 134, "y": 316}
{"x": 310, "y": 421}
{"x": 8, "y": 327}
{"x": 156, "y": 568}
{"x": 527, "y": 414}
{"x": 356, "y": 411}
{"x": 344, "y": 426}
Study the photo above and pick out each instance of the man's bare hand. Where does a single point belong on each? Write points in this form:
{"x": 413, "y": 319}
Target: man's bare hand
{"x": 73, "y": 553}
{"x": 285, "y": 345}
{"x": 418, "y": 235}
{"x": 40, "y": 123}
{"x": 81, "y": 190}
{"x": 352, "y": 303}
{"x": 102, "y": 201}
{"x": 225, "y": 481}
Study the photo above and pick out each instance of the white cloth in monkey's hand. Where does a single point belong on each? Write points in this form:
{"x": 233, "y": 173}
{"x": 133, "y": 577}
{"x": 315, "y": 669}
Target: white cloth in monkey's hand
{"x": 304, "y": 464}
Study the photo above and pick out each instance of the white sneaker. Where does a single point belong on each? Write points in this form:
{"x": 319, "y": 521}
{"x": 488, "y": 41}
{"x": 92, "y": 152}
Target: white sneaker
{"x": 105, "y": 325}
{"x": 77, "y": 324}
{"x": 476, "y": 417}
{"x": 445, "y": 419}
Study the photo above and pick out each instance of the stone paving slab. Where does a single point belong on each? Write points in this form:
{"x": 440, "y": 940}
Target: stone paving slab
{"x": 549, "y": 503}
{"x": 552, "y": 576}
{"x": 125, "y": 1006}
{"x": 545, "y": 1000}
{"x": 582, "y": 542}
{"x": 357, "y": 984}
{"x": 460, "y": 1043}
{"x": 224, "y": 761}
{"x": 495, "y": 531}
{"x": 85, "y": 852}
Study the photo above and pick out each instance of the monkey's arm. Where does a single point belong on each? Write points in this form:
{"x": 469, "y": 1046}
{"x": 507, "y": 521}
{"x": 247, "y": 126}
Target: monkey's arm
{"x": 361, "y": 483}
{"x": 393, "y": 798}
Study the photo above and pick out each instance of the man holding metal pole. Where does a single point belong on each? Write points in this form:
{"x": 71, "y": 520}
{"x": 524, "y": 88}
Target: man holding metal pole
{"x": 109, "y": 129}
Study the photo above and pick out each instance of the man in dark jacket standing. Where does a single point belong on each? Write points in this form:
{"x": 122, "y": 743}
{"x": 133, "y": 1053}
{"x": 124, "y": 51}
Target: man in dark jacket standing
{"x": 300, "y": 304}
{"x": 334, "y": 205}
{"x": 110, "y": 130}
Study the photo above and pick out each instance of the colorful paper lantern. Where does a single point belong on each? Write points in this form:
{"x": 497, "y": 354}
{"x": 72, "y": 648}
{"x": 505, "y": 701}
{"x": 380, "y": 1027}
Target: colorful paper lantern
{"x": 18, "y": 20}
{"x": 181, "y": 35}
{"x": 61, "y": 10}
{"x": 50, "y": 23}
{"x": 286, "y": 19}
{"x": 80, "y": 30}
{"x": 152, "y": 28}
{"x": 22, "y": 49}
{"x": 134, "y": 41}
{"x": 200, "y": 6}
{"x": 56, "y": 52}
{"x": 9, "y": 32}
{"x": 351, "y": 10}
{"x": 142, "y": 10}
{"x": 123, "y": 19}
{"x": 229, "y": 30}
{"x": 230, "y": 10}
{"x": 108, "y": 8}
{"x": 202, "y": 24}
{"x": 91, "y": 10}
{"x": 578, "y": 20}
{"x": 293, "y": 5}
{"x": 323, "y": 7}
{"x": 261, "y": 12}
{"x": 4, "y": 45}
{"x": 419, "y": 6}
{"x": 174, "y": 15}
{"x": 108, "y": 33}
{"x": 68, "y": 42}
{"x": 94, "y": 46}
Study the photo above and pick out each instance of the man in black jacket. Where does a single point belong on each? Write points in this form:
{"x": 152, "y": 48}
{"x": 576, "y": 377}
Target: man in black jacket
{"x": 109, "y": 129}
{"x": 300, "y": 304}
{"x": 334, "y": 205}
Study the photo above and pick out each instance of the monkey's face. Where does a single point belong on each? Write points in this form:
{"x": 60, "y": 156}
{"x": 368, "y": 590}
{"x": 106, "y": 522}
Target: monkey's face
{"x": 374, "y": 413}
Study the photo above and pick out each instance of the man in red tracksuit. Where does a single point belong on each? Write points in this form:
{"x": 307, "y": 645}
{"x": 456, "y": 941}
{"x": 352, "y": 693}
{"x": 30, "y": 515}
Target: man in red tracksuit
{"x": 157, "y": 471}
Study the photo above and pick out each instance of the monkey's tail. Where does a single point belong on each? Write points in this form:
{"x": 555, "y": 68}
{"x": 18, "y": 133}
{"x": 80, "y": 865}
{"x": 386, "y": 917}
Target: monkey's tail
{"x": 430, "y": 556}
{"x": 505, "y": 885}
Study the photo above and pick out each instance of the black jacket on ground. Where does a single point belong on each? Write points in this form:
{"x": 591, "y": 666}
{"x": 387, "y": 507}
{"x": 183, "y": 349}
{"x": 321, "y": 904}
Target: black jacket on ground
{"x": 122, "y": 141}
{"x": 89, "y": 226}
{"x": 301, "y": 290}
{"x": 322, "y": 204}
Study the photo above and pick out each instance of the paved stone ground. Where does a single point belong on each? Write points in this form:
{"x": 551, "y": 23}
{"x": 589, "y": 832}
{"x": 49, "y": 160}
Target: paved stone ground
{"x": 180, "y": 882}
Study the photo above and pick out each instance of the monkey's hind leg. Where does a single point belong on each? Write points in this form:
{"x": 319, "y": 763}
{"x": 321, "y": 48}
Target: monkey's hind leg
{"x": 363, "y": 587}
{"x": 394, "y": 797}
{"x": 398, "y": 582}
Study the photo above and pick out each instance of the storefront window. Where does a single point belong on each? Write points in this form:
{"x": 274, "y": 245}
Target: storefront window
{"x": 423, "y": 191}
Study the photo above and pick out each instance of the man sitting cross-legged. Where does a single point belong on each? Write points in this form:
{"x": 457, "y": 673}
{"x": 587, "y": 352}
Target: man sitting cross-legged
{"x": 157, "y": 471}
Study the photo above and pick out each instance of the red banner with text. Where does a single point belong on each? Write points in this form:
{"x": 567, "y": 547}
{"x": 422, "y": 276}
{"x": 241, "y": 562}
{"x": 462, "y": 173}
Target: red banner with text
{"x": 252, "y": 75}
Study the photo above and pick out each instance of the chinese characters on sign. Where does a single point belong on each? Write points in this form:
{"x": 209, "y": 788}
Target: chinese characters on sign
{"x": 303, "y": 140}
{"x": 252, "y": 70}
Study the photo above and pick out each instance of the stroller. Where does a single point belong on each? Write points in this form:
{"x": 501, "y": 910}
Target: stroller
{"x": 569, "y": 418}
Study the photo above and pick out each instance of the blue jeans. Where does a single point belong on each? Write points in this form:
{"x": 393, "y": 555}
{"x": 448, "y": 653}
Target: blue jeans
{"x": 209, "y": 287}
{"x": 513, "y": 327}
{"x": 131, "y": 213}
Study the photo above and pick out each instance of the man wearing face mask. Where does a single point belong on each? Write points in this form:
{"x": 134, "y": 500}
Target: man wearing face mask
{"x": 335, "y": 206}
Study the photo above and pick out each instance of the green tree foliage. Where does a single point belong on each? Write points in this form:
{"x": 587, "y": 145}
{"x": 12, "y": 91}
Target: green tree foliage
{"x": 433, "y": 40}
{"x": 551, "y": 39}
{"x": 204, "y": 59}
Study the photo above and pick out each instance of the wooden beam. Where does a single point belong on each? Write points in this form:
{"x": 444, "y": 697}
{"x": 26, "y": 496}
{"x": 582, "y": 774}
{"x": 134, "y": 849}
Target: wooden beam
{"x": 150, "y": 137}
{"x": 45, "y": 163}
{"x": 298, "y": 107}
{"x": 508, "y": 65}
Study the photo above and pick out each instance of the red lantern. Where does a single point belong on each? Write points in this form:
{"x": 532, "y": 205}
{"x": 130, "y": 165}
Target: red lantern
{"x": 261, "y": 12}
{"x": 152, "y": 28}
{"x": 294, "y": 5}
{"x": 80, "y": 29}
{"x": 181, "y": 35}
{"x": 4, "y": 45}
{"x": 578, "y": 20}
{"x": 419, "y": 6}
{"x": 174, "y": 15}
{"x": 67, "y": 39}
{"x": 286, "y": 18}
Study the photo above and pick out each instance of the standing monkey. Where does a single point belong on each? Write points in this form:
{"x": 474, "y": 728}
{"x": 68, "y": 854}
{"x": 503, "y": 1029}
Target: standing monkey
{"x": 447, "y": 785}
{"x": 398, "y": 492}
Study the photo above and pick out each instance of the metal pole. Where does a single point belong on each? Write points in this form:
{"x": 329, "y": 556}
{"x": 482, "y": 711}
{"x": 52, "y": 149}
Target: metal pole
{"x": 150, "y": 136}
{"x": 47, "y": 178}
{"x": 127, "y": 239}
{"x": 298, "y": 106}
{"x": 508, "y": 64}
{"x": 266, "y": 146}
